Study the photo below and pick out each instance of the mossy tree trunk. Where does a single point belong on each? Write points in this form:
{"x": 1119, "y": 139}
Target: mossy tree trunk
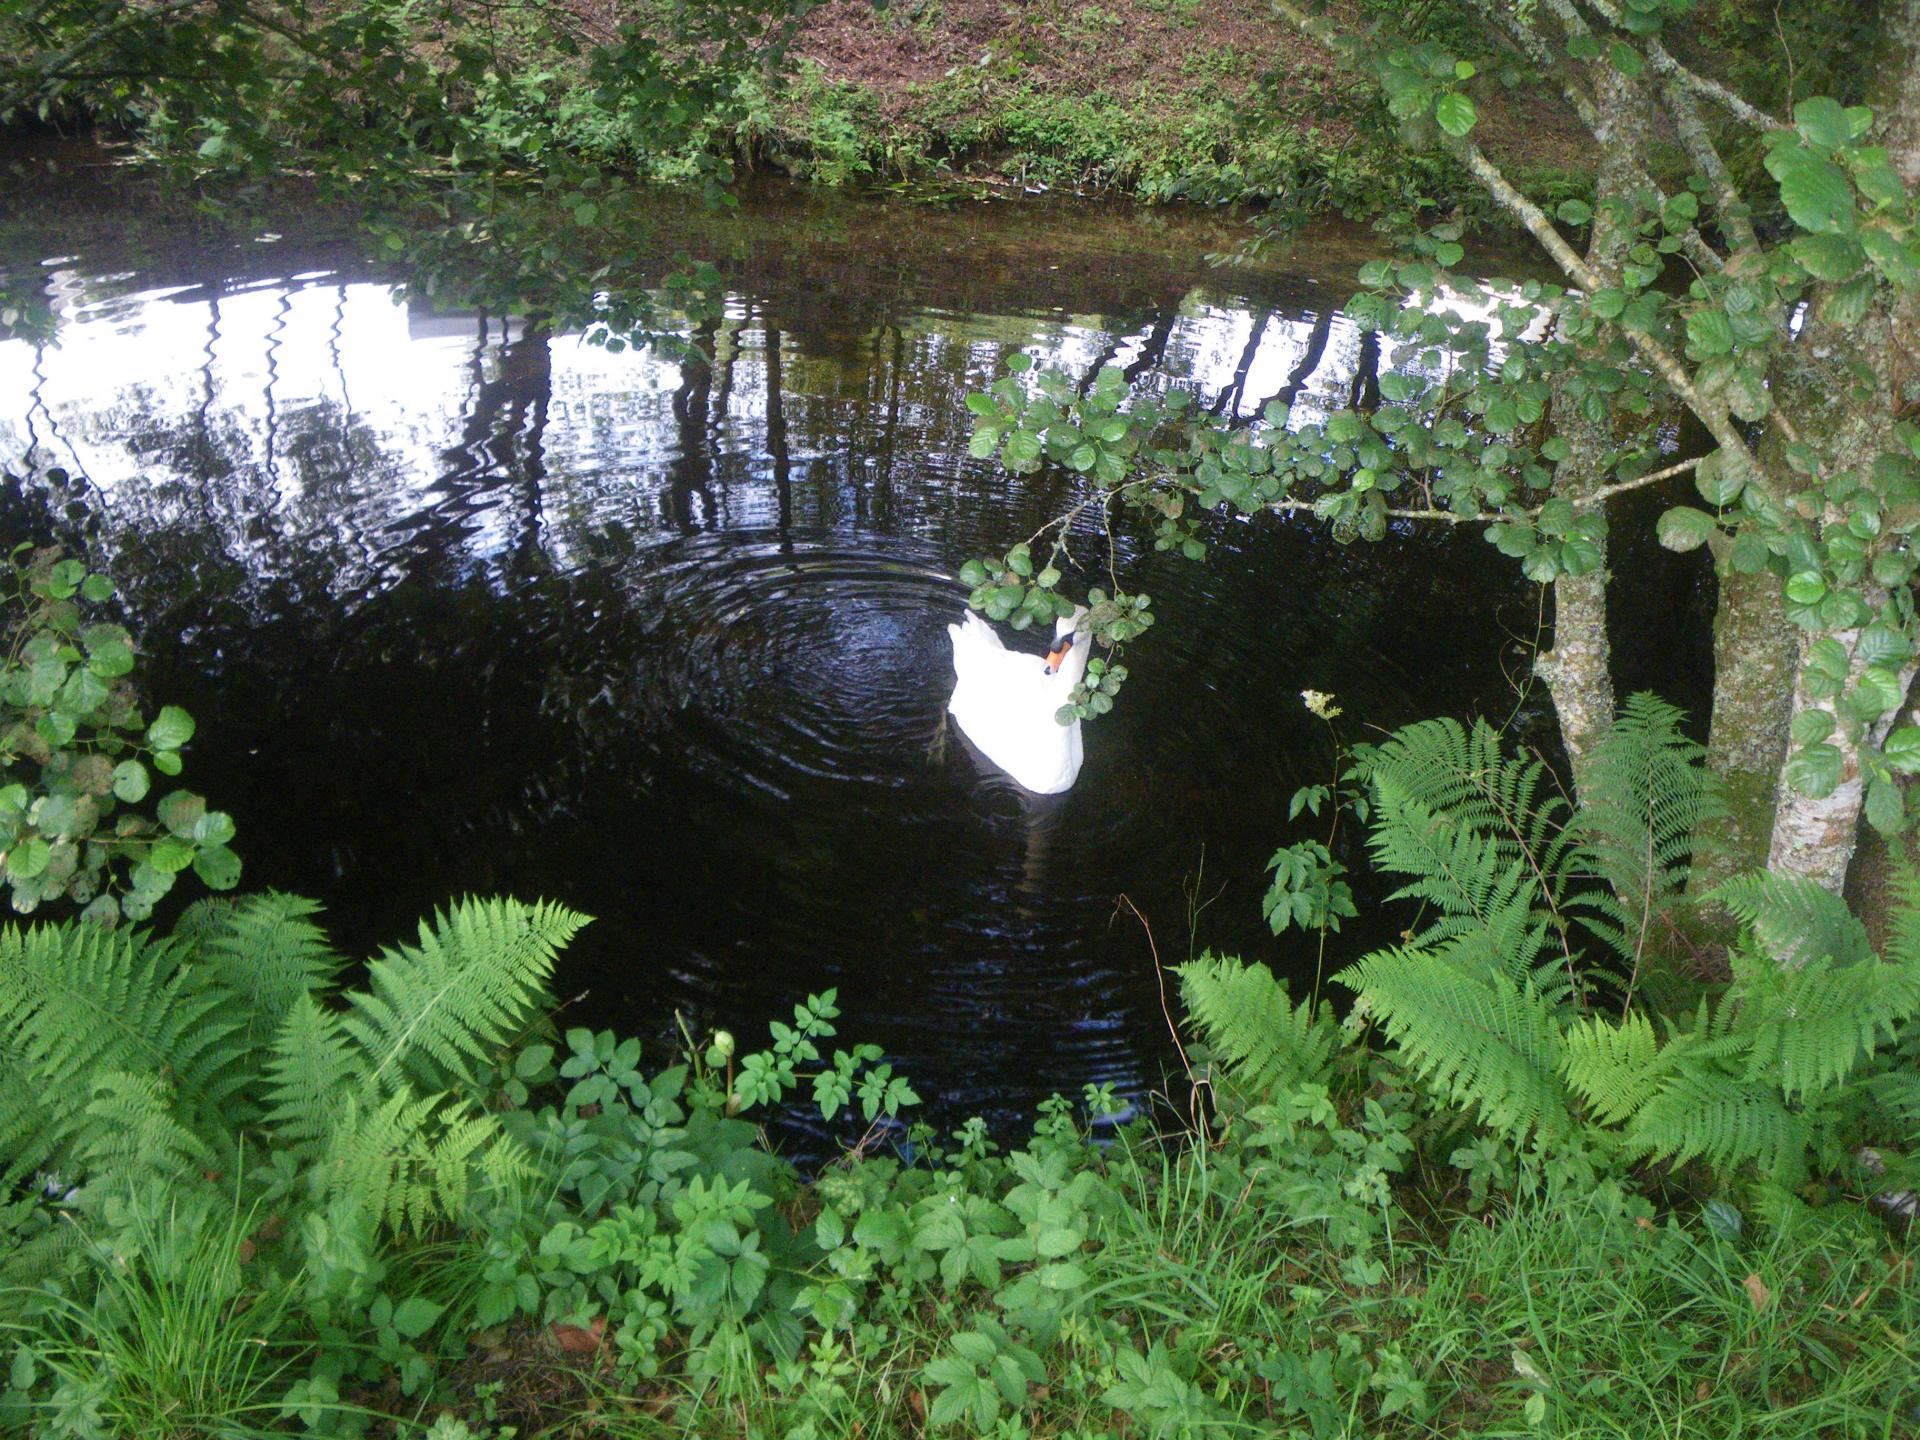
{"x": 1756, "y": 656}
{"x": 1844, "y": 389}
{"x": 1578, "y": 670}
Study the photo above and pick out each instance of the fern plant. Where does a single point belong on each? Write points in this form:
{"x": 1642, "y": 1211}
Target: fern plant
{"x": 1791, "y": 1058}
{"x": 1266, "y": 1041}
{"x": 1645, "y": 815}
{"x": 1493, "y": 1003}
{"x": 129, "y": 1057}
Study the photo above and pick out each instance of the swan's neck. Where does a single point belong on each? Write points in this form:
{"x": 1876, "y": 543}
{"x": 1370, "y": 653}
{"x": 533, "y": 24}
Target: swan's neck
{"x": 1073, "y": 669}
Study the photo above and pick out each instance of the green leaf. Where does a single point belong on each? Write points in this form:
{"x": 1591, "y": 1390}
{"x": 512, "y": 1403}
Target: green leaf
{"x": 167, "y": 762}
{"x": 171, "y": 729}
{"x": 213, "y": 828}
{"x": 65, "y": 578}
{"x": 1719, "y": 480}
{"x": 1823, "y": 122}
{"x": 1885, "y": 807}
{"x": 1806, "y": 587}
{"x": 1684, "y": 528}
{"x": 1062, "y": 1275}
{"x": 1845, "y": 305}
{"x": 1816, "y": 192}
{"x": 1902, "y": 750}
{"x": 1454, "y": 114}
{"x": 84, "y": 692}
{"x": 97, "y": 588}
{"x": 170, "y": 855}
{"x": 1815, "y": 771}
{"x": 218, "y": 867}
{"x": 414, "y": 1316}
{"x": 58, "y": 816}
{"x": 1876, "y": 691}
{"x": 1625, "y": 58}
{"x": 28, "y": 858}
{"x": 1832, "y": 258}
{"x": 1708, "y": 334}
{"x": 180, "y": 812}
{"x": 1812, "y": 726}
{"x": 1890, "y": 257}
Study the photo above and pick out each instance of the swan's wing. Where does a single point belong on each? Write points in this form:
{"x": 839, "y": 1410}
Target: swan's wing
{"x": 979, "y": 632}
{"x": 977, "y": 647}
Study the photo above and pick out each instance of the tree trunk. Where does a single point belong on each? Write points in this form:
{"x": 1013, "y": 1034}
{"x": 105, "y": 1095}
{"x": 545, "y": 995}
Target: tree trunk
{"x": 1756, "y": 657}
{"x": 1819, "y": 383}
{"x": 1578, "y": 670}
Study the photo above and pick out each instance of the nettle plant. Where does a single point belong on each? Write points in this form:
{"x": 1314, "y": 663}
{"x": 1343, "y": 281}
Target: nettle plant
{"x": 1781, "y": 324}
{"x": 78, "y": 757}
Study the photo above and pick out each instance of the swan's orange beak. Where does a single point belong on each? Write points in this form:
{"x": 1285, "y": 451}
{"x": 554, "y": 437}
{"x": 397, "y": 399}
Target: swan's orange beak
{"x": 1059, "y": 653}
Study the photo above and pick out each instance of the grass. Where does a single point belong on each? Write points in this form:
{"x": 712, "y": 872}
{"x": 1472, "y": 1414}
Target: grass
{"x": 1208, "y": 1315}
{"x": 174, "y": 1344}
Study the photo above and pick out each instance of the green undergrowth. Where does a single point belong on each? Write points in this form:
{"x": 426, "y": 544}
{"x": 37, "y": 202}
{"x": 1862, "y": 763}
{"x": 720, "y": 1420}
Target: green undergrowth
{"x": 251, "y": 1201}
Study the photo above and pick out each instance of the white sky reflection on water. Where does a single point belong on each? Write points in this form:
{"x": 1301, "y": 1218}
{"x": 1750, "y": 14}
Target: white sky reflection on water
{"x": 140, "y": 382}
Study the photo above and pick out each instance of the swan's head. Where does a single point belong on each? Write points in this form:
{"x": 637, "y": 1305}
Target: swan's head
{"x": 1065, "y": 637}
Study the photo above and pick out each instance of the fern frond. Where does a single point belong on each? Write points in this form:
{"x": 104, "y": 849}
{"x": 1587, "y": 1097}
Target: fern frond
{"x": 32, "y": 1253}
{"x": 1247, "y": 1020}
{"x": 1467, "y": 774}
{"x": 312, "y": 1069}
{"x": 410, "y": 1159}
{"x": 129, "y": 1127}
{"x": 266, "y": 953}
{"x": 1903, "y": 931}
{"x": 1616, "y": 1068}
{"x": 1794, "y": 918}
{"x": 1896, "y": 1096}
{"x": 1718, "y": 1118}
{"x": 1455, "y": 868}
{"x": 1648, "y": 794}
{"x": 1484, "y": 1041}
{"x": 432, "y": 1011}
{"x": 78, "y": 1002}
{"x": 1809, "y": 1027}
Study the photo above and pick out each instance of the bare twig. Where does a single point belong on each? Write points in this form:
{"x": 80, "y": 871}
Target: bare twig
{"x": 1166, "y": 1011}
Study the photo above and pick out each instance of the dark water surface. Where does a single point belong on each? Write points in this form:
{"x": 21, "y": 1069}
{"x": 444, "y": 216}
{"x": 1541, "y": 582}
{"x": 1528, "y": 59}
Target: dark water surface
{"x": 462, "y": 605}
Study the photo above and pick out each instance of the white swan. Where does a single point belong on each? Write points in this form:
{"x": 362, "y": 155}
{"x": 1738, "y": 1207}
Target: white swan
{"x": 1005, "y": 701}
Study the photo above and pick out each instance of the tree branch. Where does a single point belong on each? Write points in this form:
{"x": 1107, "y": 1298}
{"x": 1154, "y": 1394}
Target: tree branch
{"x": 1698, "y": 144}
{"x": 1665, "y": 66}
{"x": 1487, "y": 517}
{"x": 1665, "y": 363}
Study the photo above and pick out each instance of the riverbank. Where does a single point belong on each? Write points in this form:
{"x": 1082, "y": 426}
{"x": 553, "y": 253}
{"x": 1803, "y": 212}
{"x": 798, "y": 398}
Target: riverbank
{"x": 1158, "y": 99}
